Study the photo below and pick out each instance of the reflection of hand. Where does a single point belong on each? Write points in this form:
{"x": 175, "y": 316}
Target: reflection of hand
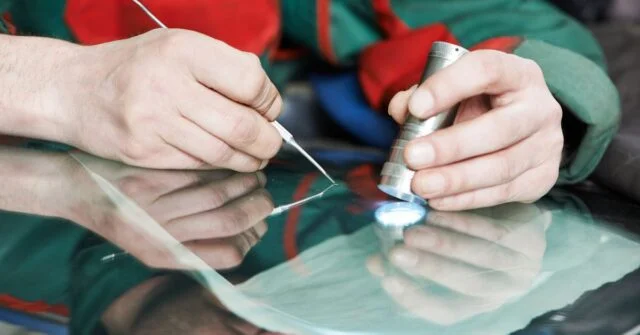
{"x": 179, "y": 306}
{"x": 481, "y": 259}
{"x": 219, "y": 215}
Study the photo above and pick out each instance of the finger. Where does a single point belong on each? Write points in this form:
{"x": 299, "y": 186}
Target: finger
{"x": 227, "y": 252}
{"x": 233, "y": 73}
{"x": 237, "y": 125}
{"x": 229, "y": 220}
{"x": 468, "y": 249}
{"x": 493, "y": 169}
{"x": 528, "y": 188}
{"x": 493, "y": 131}
{"x": 479, "y": 72}
{"x": 192, "y": 139}
{"x": 445, "y": 309}
{"x": 521, "y": 231}
{"x": 200, "y": 198}
{"x": 146, "y": 186}
{"x": 398, "y": 106}
{"x": 456, "y": 275}
{"x": 469, "y": 223}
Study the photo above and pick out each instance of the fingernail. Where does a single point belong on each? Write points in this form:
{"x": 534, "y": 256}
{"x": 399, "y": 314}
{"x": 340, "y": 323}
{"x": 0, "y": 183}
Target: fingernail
{"x": 421, "y": 103}
{"x": 404, "y": 258}
{"x": 432, "y": 184}
{"x": 420, "y": 155}
{"x": 263, "y": 165}
{"x": 393, "y": 286}
{"x": 262, "y": 179}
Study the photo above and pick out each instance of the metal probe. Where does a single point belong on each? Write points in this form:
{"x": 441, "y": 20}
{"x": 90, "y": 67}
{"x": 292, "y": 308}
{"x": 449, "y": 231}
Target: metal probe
{"x": 284, "y": 133}
{"x": 396, "y": 177}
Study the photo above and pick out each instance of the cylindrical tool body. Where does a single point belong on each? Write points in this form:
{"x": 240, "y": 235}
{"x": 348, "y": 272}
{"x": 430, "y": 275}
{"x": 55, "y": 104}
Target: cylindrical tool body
{"x": 396, "y": 177}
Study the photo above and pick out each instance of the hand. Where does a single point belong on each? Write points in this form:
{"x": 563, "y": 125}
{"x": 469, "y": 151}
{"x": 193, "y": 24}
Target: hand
{"x": 217, "y": 215}
{"x": 482, "y": 259}
{"x": 171, "y": 99}
{"x": 506, "y": 142}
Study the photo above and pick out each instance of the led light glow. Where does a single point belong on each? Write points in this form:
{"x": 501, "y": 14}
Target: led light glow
{"x": 400, "y": 214}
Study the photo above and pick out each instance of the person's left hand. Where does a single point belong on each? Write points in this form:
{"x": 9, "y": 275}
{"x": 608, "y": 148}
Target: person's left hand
{"x": 506, "y": 142}
{"x": 479, "y": 259}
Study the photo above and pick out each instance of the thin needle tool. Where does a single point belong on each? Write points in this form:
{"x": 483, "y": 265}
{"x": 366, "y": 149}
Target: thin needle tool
{"x": 286, "y": 135}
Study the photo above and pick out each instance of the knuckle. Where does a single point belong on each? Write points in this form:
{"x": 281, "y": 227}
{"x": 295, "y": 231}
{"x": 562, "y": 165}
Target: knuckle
{"x": 245, "y": 129}
{"x": 216, "y": 198}
{"x": 508, "y": 192}
{"x": 255, "y": 81}
{"x": 221, "y": 153}
{"x": 532, "y": 70}
{"x": 133, "y": 150}
{"x": 506, "y": 169}
{"x": 489, "y": 64}
{"x": 173, "y": 41}
{"x": 554, "y": 112}
{"x": 234, "y": 220}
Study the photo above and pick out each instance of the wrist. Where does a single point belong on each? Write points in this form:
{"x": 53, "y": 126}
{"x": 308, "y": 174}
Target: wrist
{"x": 31, "y": 70}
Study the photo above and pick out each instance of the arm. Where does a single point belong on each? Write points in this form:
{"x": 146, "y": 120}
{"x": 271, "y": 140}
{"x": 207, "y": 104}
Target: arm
{"x": 155, "y": 100}
{"x": 29, "y": 67}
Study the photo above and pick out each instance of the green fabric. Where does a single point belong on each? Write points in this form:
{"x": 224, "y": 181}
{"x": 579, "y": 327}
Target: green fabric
{"x": 96, "y": 285}
{"x": 473, "y": 21}
{"x": 4, "y": 6}
{"x": 587, "y": 91}
{"x": 41, "y": 18}
{"x": 33, "y": 248}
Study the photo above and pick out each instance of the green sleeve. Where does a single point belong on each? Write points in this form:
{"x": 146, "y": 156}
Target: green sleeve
{"x": 4, "y": 7}
{"x": 571, "y": 59}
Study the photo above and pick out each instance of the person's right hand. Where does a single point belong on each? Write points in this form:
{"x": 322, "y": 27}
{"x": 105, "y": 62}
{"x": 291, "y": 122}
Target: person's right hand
{"x": 171, "y": 99}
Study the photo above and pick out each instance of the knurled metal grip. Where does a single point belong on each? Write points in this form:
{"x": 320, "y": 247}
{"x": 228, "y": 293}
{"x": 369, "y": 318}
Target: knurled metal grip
{"x": 396, "y": 177}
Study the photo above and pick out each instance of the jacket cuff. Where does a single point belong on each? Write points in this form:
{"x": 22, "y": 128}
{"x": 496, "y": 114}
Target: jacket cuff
{"x": 586, "y": 91}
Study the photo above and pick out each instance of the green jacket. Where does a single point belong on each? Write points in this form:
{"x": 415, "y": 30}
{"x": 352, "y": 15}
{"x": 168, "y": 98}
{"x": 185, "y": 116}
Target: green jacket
{"x": 359, "y": 32}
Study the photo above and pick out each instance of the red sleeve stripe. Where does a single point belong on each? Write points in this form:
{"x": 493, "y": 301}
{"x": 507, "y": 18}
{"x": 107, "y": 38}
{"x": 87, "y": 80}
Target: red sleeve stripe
{"x": 390, "y": 23}
{"x": 323, "y": 20}
{"x": 504, "y": 43}
{"x": 32, "y": 307}
{"x": 293, "y": 217}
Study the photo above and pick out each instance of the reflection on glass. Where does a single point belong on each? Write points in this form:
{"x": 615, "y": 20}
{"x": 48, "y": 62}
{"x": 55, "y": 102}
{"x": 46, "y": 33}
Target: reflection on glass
{"x": 493, "y": 269}
{"x": 451, "y": 273}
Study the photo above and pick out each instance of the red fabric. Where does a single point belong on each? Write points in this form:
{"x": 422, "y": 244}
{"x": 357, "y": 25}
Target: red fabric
{"x": 323, "y": 20}
{"x": 390, "y": 23}
{"x": 363, "y": 181}
{"x": 8, "y": 22}
{"x": 32, "y": 306}
{"x": 254, "y": 28}
{"x": 506, "y": 44}
{"x": 293, "y": 217}
{"x": 393, "y": 65}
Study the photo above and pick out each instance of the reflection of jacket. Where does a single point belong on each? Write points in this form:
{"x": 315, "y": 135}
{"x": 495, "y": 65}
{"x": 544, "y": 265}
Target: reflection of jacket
{"x": 380, "y": 36}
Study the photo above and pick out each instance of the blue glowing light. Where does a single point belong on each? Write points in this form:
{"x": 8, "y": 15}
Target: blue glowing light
{"x": 400, "y": 214}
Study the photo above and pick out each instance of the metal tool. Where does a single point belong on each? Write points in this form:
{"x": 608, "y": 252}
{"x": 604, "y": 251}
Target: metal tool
{"x": 283, "y": 208}
{"x": 396, "y": 177}
{"x": 284, "y": 133}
